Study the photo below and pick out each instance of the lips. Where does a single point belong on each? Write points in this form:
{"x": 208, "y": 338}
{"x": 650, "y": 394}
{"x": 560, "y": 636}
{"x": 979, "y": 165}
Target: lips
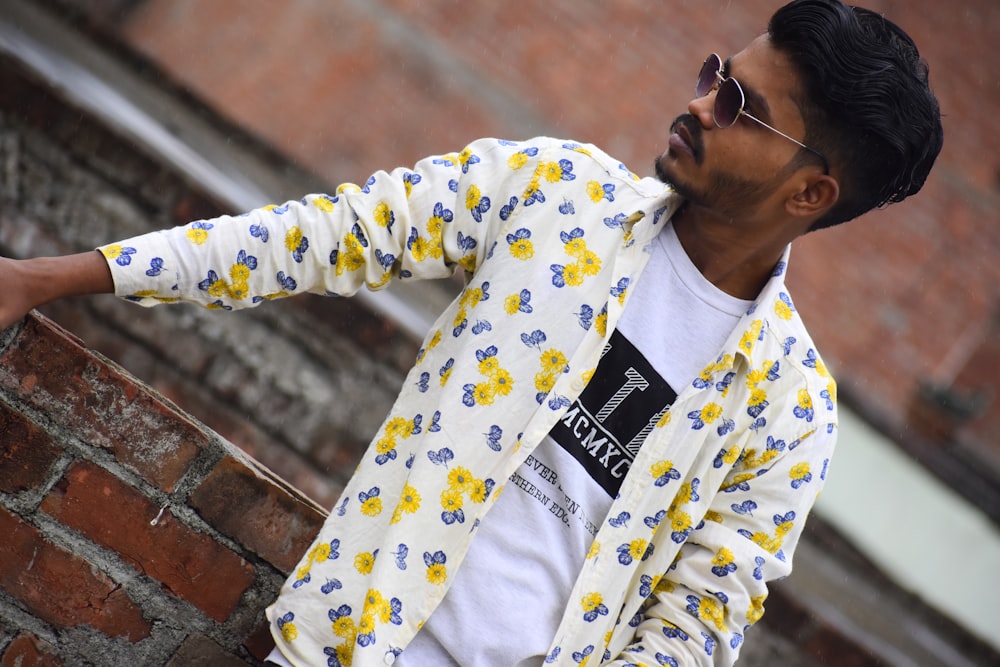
{"x": 684, "y": 136}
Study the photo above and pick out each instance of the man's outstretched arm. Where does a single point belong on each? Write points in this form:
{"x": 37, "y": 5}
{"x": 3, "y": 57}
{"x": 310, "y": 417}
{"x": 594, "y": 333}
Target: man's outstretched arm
{"x": 29, "y": 283}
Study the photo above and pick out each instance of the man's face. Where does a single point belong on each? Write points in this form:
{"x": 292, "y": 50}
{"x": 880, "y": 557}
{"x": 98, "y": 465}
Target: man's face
{"x": 733, "y": 171}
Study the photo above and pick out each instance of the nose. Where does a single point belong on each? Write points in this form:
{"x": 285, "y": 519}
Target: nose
{"x": 702, "y": 108}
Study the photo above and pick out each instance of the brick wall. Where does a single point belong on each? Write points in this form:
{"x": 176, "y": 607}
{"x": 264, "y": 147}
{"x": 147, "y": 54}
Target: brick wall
{"x": 132, "y": 534}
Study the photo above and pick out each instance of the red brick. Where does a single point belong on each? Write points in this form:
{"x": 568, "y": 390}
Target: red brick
{"x": 27, "y": 650}
{"x": 52, "y": 371}
{"x": 60, "y": 587}
{"x": 27, "y": 452}
{"x": 260, "y": 642}
{"x": 189, "y": 564}
{"x": 258, "y": 511}
{"x": 200, "y": 651}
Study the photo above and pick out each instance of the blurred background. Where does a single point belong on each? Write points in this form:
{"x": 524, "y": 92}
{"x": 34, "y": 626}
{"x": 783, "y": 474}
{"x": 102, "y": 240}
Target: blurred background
{"x": 121, "y": 116}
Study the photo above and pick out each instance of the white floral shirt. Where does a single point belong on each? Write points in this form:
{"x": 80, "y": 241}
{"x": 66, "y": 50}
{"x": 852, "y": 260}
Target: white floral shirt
{"x": 551, "y": 235}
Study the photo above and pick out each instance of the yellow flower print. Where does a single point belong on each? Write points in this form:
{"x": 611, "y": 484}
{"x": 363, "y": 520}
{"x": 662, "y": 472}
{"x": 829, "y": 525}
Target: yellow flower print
{"x": 483, "y": 393}
{"x": 637, "y": 548}
{"x": 461, "y": 480}
{"x": 601, "y": 324}
{"x": 364, "y": 562}
{"x": 512, "y": 304}
{"x": 293, "y": 239}
{"x": 593, "y": 606}
{"x": 348, "y": 188}
{"x": 451, "y": 500}
{"x": 750, "y": 336}
{"x": 757, "y": 398}
{"x": 710, "y": 609}
{"x": 421, "y": 249}
{"x": 409, "y": 502}
{"x": 398, "y": 427}
{"x": 723, "y": 558}
{"x": 384, "y": 215}
{"x": 489, "y": 366}
{"x": 472, "y": 197}
{"x": 366, "y": 625}
{"x": 323, "y": 203}
{"x": 372, "y": 506}
{"x": 663, "y": 420}
{"x": 376, "y": 606}
{"x": 501, "y": 382}
{"x": 710, "y": 413}
{"x": 575, "y": 247}
{"x": 437, "y": 573}
{"x": 517, "y": 160}
{"x": 553, "y": 361}
{"x": 573, "y": 274}
{"x": 589, "y": 263}
{"x": 522, "y": 248}
{"x": 552, "y": 172}
{"x": 345, "y": 627}
{"x": 479, "y": 491}
{"x": 544, "y": 382}
{"x": 431, "y": 344}
{"x": 782, "y": 310}
{"x": 595, "y": 548}
{"x": 595, "y": 191}
{"x": 756, "y": 610}
{"x": 712, "y": 515}
{"x": 289, "y": 632}
{"x": 198, "y": 236}
{"x": 680, "y": 522}
{"x": 385, "y": 445}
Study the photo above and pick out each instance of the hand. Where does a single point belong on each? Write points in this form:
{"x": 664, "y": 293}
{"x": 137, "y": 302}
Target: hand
{"x": 28, "y": 283}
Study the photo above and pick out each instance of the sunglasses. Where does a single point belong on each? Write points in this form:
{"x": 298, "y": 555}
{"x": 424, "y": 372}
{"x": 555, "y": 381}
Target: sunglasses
{"x": 730, "y": 101}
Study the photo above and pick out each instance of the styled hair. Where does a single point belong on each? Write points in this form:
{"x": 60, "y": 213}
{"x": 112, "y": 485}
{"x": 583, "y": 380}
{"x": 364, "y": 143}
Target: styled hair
{"x": 866, "y": 101}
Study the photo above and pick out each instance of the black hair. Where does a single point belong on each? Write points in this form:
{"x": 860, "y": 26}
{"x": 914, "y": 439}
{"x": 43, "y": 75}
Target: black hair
{"x": 866, "y": 101}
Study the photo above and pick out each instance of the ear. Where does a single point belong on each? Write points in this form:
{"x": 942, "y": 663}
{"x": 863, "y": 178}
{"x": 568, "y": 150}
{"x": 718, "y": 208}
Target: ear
{"x": 817, "y": 193}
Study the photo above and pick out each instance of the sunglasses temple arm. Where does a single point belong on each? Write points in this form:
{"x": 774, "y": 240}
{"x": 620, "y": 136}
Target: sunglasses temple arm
{"x": 826, "y": 166}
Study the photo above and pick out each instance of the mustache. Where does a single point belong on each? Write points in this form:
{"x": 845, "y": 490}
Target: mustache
{"x": 694, "y": 131}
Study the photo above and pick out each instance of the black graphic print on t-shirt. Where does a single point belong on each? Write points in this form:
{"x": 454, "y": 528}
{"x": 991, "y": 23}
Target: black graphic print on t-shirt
{"x": 604, "y": 428}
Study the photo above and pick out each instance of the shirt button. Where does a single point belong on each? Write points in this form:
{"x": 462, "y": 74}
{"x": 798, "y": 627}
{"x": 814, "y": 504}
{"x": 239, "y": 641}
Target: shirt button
{"x": 577, "y": 384}
{"x": 389, "y": 658}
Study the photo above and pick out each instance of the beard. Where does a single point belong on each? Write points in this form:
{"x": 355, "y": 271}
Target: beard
{"x": 725, "y": 193}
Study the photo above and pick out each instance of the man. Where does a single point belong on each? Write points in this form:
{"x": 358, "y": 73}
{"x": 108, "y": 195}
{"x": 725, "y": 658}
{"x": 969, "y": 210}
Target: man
{"x": 624, "y": 363}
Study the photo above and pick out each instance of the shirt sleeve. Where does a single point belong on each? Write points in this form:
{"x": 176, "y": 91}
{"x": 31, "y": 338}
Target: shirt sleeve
{"x": 408, "y": 223}
{"x": 715, "y": 589}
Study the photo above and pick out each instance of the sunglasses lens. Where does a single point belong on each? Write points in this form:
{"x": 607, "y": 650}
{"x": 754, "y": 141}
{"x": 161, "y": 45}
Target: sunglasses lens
{"x": 708, "y": 75}
{"x": 728, "y": 103}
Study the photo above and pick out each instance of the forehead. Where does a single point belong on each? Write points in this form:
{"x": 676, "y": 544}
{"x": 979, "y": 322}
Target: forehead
{"x": 769, "y": 73}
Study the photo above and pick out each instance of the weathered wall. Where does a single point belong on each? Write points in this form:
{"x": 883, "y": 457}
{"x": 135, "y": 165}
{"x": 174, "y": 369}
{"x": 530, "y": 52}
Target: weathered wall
{"x": 132, "y": 534}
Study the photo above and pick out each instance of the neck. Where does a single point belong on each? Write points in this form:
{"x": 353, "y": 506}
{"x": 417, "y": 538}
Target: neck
{"x": 737, "y": 256}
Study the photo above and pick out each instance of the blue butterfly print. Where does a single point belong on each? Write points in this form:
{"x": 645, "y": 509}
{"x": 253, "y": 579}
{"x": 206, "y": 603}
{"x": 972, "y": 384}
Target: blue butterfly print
{"x": 506, "y": 210}
{"x": 441, "y": 457}
{"x": 566, "y": 208}
{"x": 620, "y": 520}
{"x": 534, "y": 339}
{"x": 480, "y": 326}
{"x": 125, "y": 256}
{"x": 746, "y": 507}
{"x": 260, "y": 232}
{"x": 435, "y": 423}
{"x": 287, "y": 282}
{"x": 424, "y": 381}
{"x": 342, "y": 509}
{"x": 493, "y": 437}
{"x": 155, "y": 267}
{"x": 385, "y": 259}
{"x": 401, "y": 553}
{"x": 330, "y": 586}
{"x": 616, "y": 222}
{"x": 586, "y": 316}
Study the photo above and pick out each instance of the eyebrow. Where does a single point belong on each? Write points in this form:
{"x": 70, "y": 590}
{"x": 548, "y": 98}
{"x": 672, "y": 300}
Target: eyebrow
{"x": 756, "y": 101}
